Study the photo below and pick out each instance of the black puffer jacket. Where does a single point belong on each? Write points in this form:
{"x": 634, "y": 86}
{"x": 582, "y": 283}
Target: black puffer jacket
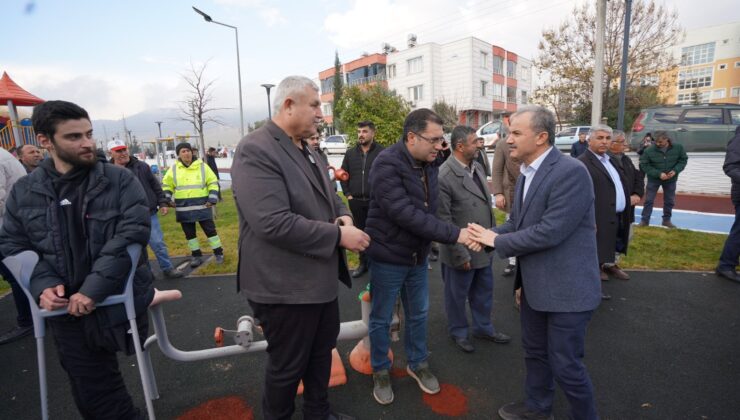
{"x": 153, "y": 189}
{"x": 402, "y": 218}
{"x": 358, "y": 165}
{"x": 115, "y": 214}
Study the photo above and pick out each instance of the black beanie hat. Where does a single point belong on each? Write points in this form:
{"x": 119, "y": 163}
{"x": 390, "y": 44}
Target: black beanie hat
{"x": 182, "y": 146}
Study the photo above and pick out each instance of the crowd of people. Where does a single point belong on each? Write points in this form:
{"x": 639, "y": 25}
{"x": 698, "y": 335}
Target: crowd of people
{"x": 567, "y": 222}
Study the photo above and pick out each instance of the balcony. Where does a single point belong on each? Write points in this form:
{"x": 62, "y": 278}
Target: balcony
{"x": 512, "y": 100}
{"x": 498, "y": 98}
{"x": 367, "y": 80}
{"x": 511, "y": 74}
{"x": 497, "y": 71}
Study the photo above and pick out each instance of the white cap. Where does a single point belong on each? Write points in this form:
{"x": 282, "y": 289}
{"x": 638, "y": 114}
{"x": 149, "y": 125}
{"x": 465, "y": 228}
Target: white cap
{"x": 116, "y": 145}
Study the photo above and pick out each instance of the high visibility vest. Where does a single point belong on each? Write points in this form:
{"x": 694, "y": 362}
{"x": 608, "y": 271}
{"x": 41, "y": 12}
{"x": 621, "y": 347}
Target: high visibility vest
{"x": 191, "y": 187}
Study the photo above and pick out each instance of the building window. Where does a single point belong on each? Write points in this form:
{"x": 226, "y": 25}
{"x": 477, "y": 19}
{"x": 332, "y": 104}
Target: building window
{"x": 651, "y": 80}
{"x": 326, "y": 109}
{"x": 498, "y": 65}
{"x": 722, "y": 67}
{"x": 416, "y": 93}
{"x": 690, "y": 98}
{"x": 523, "y": 73}
{"x": 498, "y": 92}
{"x": 524, "y": 97}
{"x": 483, "y": 88}
{"x": 735, "y": 92}
{"x": 415, "y": 65}
{"x": 697, "y": 54}
{"x": 695, "y": 78}
{"x": 737, "y": 64}
{"x": 391, "y": 71}
{"x": 484, "y": 59}
{"x": 510, "y": 69}
{"x": 327, "y": 85}
{"x": 485, "y": 117}
{"x": 718, "y": 93}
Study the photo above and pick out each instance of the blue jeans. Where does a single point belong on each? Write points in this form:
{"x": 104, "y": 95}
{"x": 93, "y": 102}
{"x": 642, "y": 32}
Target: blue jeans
{"x": 669, "y": 198}
{"x": 474, "y": 287}
{"x": 156, "y": 242}
{"x": 386, "y": 281}
{"x": 731, "y": 251}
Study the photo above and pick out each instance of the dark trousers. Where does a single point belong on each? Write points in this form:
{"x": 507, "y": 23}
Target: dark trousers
{"x": 97, "y": 385}
{"x": 299, "y": 343}
{"x": 730, "y": 253}
{"x": 359, "y": 209}
{"x": 475, "y": 287}
{"x": 209, "y": 228}
{"x": 554, "y": 347}
{"x": 669, "y": 198}
{"x": 21, "y": 302}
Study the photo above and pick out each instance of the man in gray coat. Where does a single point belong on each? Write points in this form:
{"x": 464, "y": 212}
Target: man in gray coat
{"x": 292, "y": 232}
{"x": 468, "y": 276}
{"x": 552, "y": 233}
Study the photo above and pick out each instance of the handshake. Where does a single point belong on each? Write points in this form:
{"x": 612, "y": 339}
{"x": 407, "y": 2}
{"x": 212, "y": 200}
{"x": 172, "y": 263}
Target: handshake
{"x": 475, "y": 237}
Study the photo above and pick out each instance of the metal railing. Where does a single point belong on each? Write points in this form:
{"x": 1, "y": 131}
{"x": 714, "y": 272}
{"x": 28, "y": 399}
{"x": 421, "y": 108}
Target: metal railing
{"x": 8, "y": 140}
{"x": 370, "y": 79}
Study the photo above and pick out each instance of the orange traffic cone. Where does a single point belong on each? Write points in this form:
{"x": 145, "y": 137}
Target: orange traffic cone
{"x": 359, "y": 357}
{"x": 338, "y": 374}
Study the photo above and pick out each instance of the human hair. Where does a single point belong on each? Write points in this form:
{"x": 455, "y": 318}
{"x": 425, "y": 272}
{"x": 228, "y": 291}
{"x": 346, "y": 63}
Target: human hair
{"x": 459, "y": 134}
{"x": 417, "y": 121}
{"x": 48, "y": 115}
{"x": 367, "y": 123}
{"x": 542, "y": 120}
{"x": 663, "y": 135}
{"x": 19, "y": 150}
{"x": 617, "y": 133}
{"x": 291, "y": 85}
{"x": 602, "y": 127}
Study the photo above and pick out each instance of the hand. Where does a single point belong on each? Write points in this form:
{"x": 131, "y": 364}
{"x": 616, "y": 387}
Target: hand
{"x": 500, "y": 201}
{"x": 344, "y": 221}
{"x": 354, "y": 239}
{"x": 52, "y": 298}
{"x": 209, "y": 204}
{"x": 664, "y": 176}
{"x": 518, "y": 297}
{"x": 465, "y": 267}
{"x": 634, "y": 200}
{"x": 482, "y": 235}
{"x": 172, "y": 204}
{"x": 80, "y": 305}
{"x": 164, "y": 210}
{"x": 671, "y": 174}
{"x": 349, "y": 197}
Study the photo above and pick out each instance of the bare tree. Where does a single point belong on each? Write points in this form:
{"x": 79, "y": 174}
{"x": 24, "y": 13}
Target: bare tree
{"x": 448, "y": 113}
{"x": 197, "y": 107}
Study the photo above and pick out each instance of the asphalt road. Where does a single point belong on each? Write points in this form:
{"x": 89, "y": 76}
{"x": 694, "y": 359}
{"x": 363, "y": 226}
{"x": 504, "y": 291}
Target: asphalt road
{"x": 665, "y": 347}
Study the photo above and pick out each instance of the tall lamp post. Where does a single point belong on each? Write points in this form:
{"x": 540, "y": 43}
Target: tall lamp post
{"x": 267, "y": 87}
{"x": 159, "y": 147}
{"x": 238, "y": 66}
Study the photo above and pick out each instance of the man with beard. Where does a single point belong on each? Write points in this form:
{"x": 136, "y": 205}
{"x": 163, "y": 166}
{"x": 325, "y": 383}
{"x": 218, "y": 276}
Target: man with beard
{"x": 156, "y": 198}
{"x": 357, "y": 162}
{"x": 468, "y": 276}
{"x": 79, "y": 215}
{"x": 315, "y": 143}
{"x": 30, "y": 156}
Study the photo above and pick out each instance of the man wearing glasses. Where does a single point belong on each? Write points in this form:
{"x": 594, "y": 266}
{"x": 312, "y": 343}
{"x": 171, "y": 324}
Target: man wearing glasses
{"x": 401, "y": 222}
{"x": 155, "y": 198}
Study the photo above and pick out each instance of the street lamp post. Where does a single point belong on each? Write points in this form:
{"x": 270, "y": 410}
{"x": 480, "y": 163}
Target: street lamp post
{"x": 207, "y": 18}
{"x": 267, "y": 87}
{"x": 159, "y": 147}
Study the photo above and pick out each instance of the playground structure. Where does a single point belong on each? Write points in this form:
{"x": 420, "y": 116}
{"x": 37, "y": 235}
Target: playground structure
{"x": 16, "y": 132}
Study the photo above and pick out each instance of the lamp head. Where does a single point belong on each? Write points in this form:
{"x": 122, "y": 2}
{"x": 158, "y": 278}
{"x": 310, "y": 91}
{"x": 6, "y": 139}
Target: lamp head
{"x": 205, "y": 16}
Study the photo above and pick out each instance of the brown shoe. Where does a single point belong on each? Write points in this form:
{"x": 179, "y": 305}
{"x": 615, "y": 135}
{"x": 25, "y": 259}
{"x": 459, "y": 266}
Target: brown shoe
{"x": 667, "y": 223}
{"x": 644, "y": 223}
{"x": 616, "y": 272}
{"x": 603, "y": 275}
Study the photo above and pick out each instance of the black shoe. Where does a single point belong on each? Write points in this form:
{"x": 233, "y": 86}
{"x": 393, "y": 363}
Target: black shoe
{"x": 519, "y": 411}
{"x": 196, "y": 261}
{"x": 15, "y": 334}
{"x": 463, "y": 344}
{"x": 362, "y": 269}
{"x": 509, "y": 269}
{"x": 728, "y": 274}
{"x": 498, "y": 337}
{"x": 171, "y": 273}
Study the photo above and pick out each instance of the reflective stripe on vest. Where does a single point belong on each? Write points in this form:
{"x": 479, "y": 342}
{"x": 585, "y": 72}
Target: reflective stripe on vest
{"x": 190, "y": 187}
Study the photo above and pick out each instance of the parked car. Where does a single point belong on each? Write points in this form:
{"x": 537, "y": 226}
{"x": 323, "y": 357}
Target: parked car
{"x": 566, "y": 137}
{"x": 334, "y": 144}
{"x": 699, "y": 128}
{"x": 491, "y": 132}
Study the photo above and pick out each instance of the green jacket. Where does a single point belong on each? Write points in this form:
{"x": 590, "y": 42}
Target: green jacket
{"x": 654, "y": 162}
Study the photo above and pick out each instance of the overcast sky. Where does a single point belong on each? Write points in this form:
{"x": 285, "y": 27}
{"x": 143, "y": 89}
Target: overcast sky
{"x": 121, "y": 57}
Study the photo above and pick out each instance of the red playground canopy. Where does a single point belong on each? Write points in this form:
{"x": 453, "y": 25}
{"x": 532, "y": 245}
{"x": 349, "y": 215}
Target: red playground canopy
{"x": 10, "y": 91}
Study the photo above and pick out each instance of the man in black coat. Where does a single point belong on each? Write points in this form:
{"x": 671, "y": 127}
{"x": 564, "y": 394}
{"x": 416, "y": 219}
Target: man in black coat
{"x": 156, "y": 198}
{"x": 79, "y": 215}
{"x": 634, "y": 179}
{"x": 611, "y": 202}
{"x": 357, "y": 162}
{"x": 729, "y": 258}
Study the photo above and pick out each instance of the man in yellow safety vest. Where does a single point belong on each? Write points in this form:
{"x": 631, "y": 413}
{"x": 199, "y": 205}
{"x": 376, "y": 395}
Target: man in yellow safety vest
{"x": 193, "y": 187}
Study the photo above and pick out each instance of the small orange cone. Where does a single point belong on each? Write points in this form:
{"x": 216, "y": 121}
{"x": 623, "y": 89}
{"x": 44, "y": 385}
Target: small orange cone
{"x": 359, "y": 358}
{"x": 338, "y": 374}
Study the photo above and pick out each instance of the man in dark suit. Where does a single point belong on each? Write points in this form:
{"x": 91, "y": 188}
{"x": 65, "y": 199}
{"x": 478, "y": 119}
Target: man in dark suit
{"x": 635, "y": 181}
{"x": 292, "y": 232}
{"x": 611, "y": 202}
{"x": 552, "y": 233}
{"x": 729, "y": 258}
{"x": 468, "y": 275}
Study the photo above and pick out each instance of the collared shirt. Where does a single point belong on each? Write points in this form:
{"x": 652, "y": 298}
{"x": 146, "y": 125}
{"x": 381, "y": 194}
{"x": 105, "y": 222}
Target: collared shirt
{"x": 529, "y": 171}
{"x": 614, "y": 175}
{"x": 470, "y": 170}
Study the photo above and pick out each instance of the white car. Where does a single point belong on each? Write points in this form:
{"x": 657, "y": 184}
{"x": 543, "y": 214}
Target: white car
{"x": 334, "y": 144}
{"x": 491, "y": 133}
{"x": 565, "y": 138}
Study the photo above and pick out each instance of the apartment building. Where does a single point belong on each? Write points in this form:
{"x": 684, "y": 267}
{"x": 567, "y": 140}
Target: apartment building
{"x": 480, "y": 79}
{"x": 709, "y": 67}
{"x": 366, "y": 70}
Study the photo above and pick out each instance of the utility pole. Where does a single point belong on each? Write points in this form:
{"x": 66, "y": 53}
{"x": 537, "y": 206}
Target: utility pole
{"x": 625, "y": 58}
{"x": 598, "y": 81}
{"x": 159, "y": 148}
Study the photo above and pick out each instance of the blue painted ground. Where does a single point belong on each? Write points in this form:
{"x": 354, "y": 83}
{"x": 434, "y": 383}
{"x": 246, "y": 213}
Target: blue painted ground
{"x": 692, "y": 220}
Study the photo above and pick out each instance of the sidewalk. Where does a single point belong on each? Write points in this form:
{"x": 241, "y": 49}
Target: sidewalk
{"x": 665, "y": 347}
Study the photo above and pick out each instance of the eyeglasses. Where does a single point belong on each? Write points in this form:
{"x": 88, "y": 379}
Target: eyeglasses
{"x": 435, "y": 141}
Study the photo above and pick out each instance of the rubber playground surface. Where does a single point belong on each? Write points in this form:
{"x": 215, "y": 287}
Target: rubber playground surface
{"x": 665, "y": 347}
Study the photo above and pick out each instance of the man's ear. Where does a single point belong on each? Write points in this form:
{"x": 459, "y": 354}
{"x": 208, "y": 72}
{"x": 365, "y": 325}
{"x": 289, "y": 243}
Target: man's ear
{"x": 44, "y": 141}
{"x": 542, "y": 138}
